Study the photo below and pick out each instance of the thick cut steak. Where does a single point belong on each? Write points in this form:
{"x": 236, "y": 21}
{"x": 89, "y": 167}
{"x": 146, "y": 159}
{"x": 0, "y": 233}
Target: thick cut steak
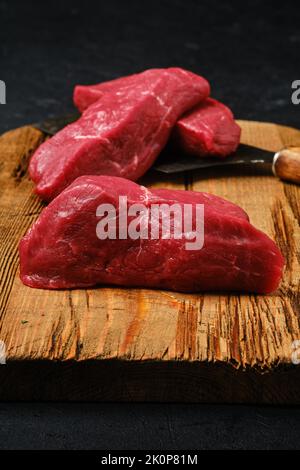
{"x": 62, "y": 249}
{"x": 121, "y": 134}
{"x": 208, "y": 129}
{"x": 85, "y": 95}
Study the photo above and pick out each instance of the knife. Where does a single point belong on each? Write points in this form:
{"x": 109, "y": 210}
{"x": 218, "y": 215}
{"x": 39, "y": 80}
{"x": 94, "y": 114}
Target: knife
{"x": 285, "y": 164}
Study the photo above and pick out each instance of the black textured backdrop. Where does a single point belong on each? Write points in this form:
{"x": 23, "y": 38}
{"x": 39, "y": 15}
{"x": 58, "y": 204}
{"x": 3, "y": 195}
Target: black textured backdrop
{"x": 250, "y": 52}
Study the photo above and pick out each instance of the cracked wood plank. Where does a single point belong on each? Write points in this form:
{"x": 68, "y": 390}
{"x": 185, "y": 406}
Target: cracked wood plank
{"x": 151, "y": 326}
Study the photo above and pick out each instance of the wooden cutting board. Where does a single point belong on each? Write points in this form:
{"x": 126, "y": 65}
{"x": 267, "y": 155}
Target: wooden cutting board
{"x": 151, "y": 345}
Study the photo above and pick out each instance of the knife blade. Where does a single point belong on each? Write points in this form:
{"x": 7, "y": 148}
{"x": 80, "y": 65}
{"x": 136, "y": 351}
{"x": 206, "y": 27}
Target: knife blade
{"x": 285, "y": 163}
{"x": 245, "y": 155}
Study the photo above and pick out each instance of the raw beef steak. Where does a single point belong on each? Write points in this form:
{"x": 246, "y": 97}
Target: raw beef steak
{"x": 208, "y": 129}
{"x": 62, "y": 249}
{"x": 121, "y": 134}
{"x": 85, "y": 95}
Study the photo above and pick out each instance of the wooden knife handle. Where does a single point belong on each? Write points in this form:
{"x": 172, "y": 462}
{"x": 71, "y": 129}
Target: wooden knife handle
{"x": 286, "y": 164}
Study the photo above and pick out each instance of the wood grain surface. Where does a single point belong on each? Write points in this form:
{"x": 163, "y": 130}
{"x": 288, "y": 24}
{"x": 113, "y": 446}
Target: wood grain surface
{"x": 138, "y": 344}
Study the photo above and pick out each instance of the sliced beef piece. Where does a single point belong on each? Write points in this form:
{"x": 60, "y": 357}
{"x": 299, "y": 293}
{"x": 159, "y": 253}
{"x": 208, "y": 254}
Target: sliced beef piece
{"x": 85, "y": 95}
{"x": 214, "y": 203}
{"x": 208, "y": 130}
{"x": 62, "y": 249}
{"x": 121, "y": 134}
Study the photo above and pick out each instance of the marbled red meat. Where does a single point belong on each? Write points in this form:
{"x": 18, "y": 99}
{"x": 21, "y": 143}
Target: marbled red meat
{"x": 208, "y": 130}
{"x": 121, "y": 134}
{"x": 62, "y": 249}
{"x": 85, "y": 95}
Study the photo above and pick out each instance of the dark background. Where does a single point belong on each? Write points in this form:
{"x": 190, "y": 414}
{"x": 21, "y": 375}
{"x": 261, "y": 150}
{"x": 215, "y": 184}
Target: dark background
{"x": 250, "y": 53}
